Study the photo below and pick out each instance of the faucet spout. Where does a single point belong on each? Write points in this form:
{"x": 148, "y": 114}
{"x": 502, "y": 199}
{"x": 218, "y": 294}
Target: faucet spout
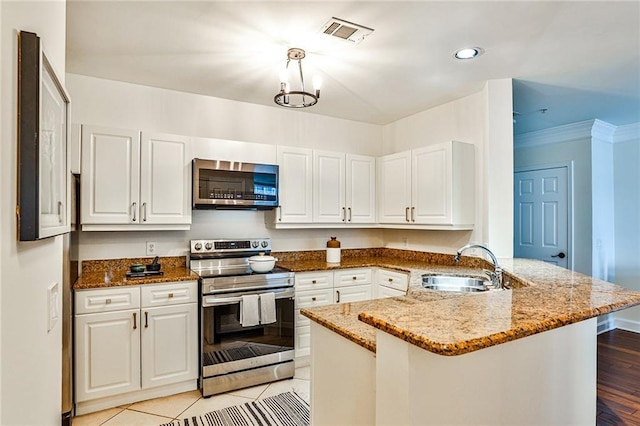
{"x": 496, "y": 275}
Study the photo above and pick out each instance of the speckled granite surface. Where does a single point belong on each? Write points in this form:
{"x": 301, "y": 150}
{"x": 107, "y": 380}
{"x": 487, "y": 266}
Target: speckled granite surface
{"x": 112, "y": 272}
{"x": 543, "y": 297}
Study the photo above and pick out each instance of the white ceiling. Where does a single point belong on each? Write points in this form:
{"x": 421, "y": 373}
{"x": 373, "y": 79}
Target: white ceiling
{"x": 580, "y": 60}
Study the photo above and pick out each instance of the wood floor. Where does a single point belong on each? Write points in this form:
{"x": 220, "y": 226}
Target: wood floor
{"x": 618, "y": 378}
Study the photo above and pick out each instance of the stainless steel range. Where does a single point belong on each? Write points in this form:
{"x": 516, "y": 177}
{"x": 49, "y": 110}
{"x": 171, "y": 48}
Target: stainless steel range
{"x": 247, "y": 318}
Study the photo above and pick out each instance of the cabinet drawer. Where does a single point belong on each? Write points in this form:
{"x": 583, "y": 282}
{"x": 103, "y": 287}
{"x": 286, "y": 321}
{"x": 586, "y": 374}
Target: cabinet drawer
{"x": 388, "y": 292}
{"x": 169, "y": 294}
{"x": 314, "y": 280}
{"x": 308, "y": 299}
{"x": 393, "y": 279}
{"x": 348, "y": 277}
{"x": 355, "y": 293}
{"x": 107, "y": 300}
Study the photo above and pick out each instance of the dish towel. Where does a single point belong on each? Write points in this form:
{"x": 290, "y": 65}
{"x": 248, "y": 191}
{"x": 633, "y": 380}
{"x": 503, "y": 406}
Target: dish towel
{"x": 249, "y": 310}
{"x": 267, "y": 308}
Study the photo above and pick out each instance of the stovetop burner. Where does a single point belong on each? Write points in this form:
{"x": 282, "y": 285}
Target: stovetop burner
{"x": 223, "y": 265}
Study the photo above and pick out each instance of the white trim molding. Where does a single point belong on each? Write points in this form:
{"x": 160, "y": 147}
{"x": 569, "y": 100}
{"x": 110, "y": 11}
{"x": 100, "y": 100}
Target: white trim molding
{"x": 625, "y": 324}
{"x": 603, "y": 130}
{"x": 558, "y": 134}
{"x": 627, "y": 133}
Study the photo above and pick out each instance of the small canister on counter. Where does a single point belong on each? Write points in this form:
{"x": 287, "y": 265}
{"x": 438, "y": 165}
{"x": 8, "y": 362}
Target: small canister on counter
{"x": 333, "y": 250}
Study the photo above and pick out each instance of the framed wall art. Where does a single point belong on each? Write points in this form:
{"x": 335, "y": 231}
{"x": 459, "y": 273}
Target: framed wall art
{"x": 43, "y": 137}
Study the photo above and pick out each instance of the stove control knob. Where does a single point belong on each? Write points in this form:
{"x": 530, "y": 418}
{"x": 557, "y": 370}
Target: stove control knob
{"x": 208, "y": 246}
{"x": 264, "y": 244}
{"x": 198, "y": 246}
{"x": 254, "y": 244}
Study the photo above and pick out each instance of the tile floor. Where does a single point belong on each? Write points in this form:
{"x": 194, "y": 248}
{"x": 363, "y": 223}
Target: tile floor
{"x": 163, "y": 410}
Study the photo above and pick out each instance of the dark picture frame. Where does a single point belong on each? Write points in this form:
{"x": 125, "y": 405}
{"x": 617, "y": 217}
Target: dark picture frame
{"x": 43, "y": 139}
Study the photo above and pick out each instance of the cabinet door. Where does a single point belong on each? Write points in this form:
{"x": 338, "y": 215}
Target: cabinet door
{"x": 329, "y": 187}
{"x": 354, "y": 293}
{"x": 169, "y": 344}
{"x": 432, "y": 185}
{"x": 110, "y": 176}
{"x": 107, "y": 354}
{"x": 361, "y": 189}
{"x": 295, "y": 186}
{"x": 394, "y": 187}
{"x": 165, "y": 179}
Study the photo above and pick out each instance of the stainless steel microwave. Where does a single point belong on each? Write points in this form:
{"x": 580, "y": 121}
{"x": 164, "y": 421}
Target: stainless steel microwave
{"x": 234, "y": 185}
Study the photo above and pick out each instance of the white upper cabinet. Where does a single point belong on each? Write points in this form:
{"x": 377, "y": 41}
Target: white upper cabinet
{"x": 110, "y": 176}
{"x": 134, "y": 182}
{"x": 329, "y": 187}
{"x": 165, "y": 192}
{"x": 440, "y": 189}
{"x": 295, "y": 185}
{"x": 344, "y": 189}
{"x": 361, "y": 188}
{"x": 394, "y": 187}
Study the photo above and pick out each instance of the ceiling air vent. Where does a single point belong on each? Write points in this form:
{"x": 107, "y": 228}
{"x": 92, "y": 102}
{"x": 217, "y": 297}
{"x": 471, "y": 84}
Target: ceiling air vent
{"x": 345, "y": 30}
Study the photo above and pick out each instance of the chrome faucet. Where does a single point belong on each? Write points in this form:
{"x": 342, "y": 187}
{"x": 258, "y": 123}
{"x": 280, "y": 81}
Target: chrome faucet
{"x": 496, "y": 275}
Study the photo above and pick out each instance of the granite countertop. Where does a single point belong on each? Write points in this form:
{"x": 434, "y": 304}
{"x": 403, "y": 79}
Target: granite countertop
{"x": 112, "y": 272}
{"x": 543, "y": 297}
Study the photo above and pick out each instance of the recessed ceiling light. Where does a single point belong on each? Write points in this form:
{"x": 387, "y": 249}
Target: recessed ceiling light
{"x": 468, "y": 53}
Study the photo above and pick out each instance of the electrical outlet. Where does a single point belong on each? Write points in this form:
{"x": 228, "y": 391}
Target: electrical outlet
{"x": 405, "y": 241}
{"x": 151, "y": 248}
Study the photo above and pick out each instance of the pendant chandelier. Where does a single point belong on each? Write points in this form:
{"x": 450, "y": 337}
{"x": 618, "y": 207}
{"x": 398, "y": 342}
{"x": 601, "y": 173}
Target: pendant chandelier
{"x": 295, "y": 98}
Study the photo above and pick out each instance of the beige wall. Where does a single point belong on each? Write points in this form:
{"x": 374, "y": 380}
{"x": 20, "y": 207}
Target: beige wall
{"x": 30, "y": 371}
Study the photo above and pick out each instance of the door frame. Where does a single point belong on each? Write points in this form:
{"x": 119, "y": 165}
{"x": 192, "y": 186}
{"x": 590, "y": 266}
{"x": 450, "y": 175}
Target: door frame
{"x": 569, "y": 166}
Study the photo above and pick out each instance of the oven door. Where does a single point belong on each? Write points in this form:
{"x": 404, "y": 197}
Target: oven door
{"x": 228, "y": 347}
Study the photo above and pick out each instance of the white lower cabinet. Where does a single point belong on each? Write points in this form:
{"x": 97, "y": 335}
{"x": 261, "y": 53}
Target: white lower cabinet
{"x": 134, "y": 342}
{"x": 390, "y": 283}
{"x": 321, "y": 288}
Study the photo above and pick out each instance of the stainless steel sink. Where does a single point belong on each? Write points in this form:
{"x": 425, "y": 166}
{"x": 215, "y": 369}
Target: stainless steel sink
{"x": 455, "y": 283}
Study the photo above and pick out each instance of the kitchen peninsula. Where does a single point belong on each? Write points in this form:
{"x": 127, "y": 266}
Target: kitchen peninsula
{"x": 521, "y": 356}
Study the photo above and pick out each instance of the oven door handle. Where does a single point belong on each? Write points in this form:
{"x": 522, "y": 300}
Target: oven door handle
{"x": 208, "y": 301}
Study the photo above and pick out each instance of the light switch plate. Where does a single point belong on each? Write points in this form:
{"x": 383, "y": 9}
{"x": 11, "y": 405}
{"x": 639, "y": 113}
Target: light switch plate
{"x": 53, "y": 308}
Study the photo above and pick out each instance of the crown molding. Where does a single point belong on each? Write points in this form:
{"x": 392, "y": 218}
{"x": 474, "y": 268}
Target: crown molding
{"x": 627, "y": 133}
{"x": 558, "y": 134}
{"x": 603, "y": 130}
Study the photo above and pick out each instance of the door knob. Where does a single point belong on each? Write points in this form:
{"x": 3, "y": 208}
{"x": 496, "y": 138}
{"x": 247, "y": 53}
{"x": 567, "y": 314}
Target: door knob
{"x": 561, "y": 255}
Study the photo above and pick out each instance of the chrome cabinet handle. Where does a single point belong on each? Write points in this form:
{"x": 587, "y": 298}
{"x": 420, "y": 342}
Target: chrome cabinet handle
{"x": 135, "y": 321}
{"x": 406, "y": 214}
{"x": 338, "y": 296}
{"x": 60, "y": 211}
{"x": 135, "y": 207}
{"x": 349, "y": 209}
{"x": 146, "y": 319}
{"x": 344, "y": 215}
{"x": 144, "y": 210}
{"x": 413, "y": 214}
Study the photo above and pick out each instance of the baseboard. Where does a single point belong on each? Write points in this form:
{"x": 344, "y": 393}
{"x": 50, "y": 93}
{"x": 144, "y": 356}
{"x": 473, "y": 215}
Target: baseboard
{"x": 606, "y": 325}
{"x": 628, "y": 325}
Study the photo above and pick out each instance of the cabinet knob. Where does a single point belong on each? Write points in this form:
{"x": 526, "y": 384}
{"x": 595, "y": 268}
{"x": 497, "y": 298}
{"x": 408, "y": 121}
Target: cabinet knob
{"x": 170, "y": 295}
{"x": 390, "y": 280}
{"x": 313, "y": 299}
{"x": 355, "y": 278}
{"x": 313, "y": 281}
{"x": 108, "y": 301}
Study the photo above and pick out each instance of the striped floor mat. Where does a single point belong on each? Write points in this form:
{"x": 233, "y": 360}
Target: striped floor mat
{"x": 285, "y": 409}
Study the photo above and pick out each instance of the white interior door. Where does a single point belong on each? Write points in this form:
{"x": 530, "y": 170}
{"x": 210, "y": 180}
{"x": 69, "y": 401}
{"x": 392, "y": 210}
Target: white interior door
{"x": 541, "y": 222}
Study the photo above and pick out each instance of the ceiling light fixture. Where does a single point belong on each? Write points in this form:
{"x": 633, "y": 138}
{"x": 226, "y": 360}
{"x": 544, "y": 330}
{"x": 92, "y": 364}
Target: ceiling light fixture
{"x": 468, "y": 53}
{"x": 295, "y": 98}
